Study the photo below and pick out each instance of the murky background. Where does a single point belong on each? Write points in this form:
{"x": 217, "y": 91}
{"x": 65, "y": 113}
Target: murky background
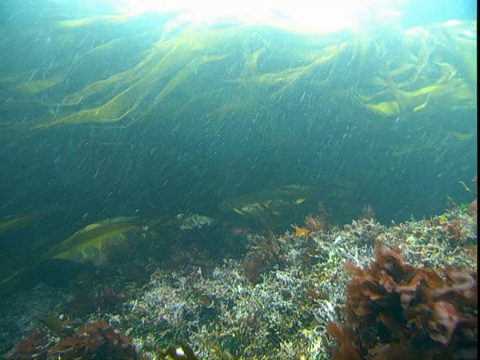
{"x": 105, "y": 116}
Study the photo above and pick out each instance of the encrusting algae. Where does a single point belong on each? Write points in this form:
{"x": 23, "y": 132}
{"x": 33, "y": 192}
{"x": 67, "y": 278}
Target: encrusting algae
{"x": 280, "y": 299}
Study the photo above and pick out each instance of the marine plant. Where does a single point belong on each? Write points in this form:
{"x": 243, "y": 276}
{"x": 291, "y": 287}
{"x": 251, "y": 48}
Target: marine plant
{"x": 260, "y": 258}
{"x": 395, "y": 311}
{"x": 97, "y": 340}
{"x": 214, "y": 310}
{"x": 93, "y": 341}
{"x": 173, "y": 71}
{"x": 455, "y": 229}
{"x": 35, "y": 345}
{"x": 90, "y": 243}
{"x": 314, "y": 223}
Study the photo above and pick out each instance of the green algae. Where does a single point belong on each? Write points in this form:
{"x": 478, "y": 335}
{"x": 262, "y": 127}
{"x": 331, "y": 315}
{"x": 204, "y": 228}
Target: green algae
{"x": 89, "y": 243}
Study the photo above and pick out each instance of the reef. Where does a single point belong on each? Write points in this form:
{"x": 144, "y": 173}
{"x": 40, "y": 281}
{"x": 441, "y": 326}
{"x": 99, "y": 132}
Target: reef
{"x": 193, "y": 221}
{"x": 364, "y": 291}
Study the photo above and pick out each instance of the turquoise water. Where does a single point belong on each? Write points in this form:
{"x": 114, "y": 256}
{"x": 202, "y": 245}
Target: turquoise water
{"x": 190, "y": 181}
{"x": 114, "y": 117}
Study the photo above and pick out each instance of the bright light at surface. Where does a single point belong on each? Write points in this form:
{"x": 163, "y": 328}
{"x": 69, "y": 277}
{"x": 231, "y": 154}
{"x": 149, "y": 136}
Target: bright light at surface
{"x": 296, "y": 15}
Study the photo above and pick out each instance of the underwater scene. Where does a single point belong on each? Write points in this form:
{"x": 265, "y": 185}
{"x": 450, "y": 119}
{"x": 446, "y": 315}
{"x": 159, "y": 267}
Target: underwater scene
{"x": 182, "y": 181}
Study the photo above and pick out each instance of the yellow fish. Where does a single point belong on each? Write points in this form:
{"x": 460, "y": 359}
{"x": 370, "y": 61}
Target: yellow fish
{"x": 299, "y": 201}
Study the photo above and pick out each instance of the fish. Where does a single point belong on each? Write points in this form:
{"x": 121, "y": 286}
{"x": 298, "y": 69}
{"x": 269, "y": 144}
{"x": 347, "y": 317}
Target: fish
{"x": 252, "y": 208}
{"x": 271, "y": 201}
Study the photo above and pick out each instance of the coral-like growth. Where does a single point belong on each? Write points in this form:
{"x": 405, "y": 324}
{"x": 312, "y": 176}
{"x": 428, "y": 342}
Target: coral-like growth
{"x": 398, "y": 311}
{"x": 366, "y": 230}
{"x": 275, "y": 301}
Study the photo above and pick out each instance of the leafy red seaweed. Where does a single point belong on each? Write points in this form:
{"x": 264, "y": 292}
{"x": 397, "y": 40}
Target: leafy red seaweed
{"x": 394, "y": 309}
{"x": 93, "y": 341}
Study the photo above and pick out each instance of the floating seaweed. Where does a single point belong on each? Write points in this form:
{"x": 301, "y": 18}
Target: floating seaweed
{"x": 91, "y": 242}
{"x": 425, "y": 67}
{"x": 13, "y": 223}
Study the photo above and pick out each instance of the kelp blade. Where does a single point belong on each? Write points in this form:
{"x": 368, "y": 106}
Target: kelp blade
{"x": 93, "y": 239}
